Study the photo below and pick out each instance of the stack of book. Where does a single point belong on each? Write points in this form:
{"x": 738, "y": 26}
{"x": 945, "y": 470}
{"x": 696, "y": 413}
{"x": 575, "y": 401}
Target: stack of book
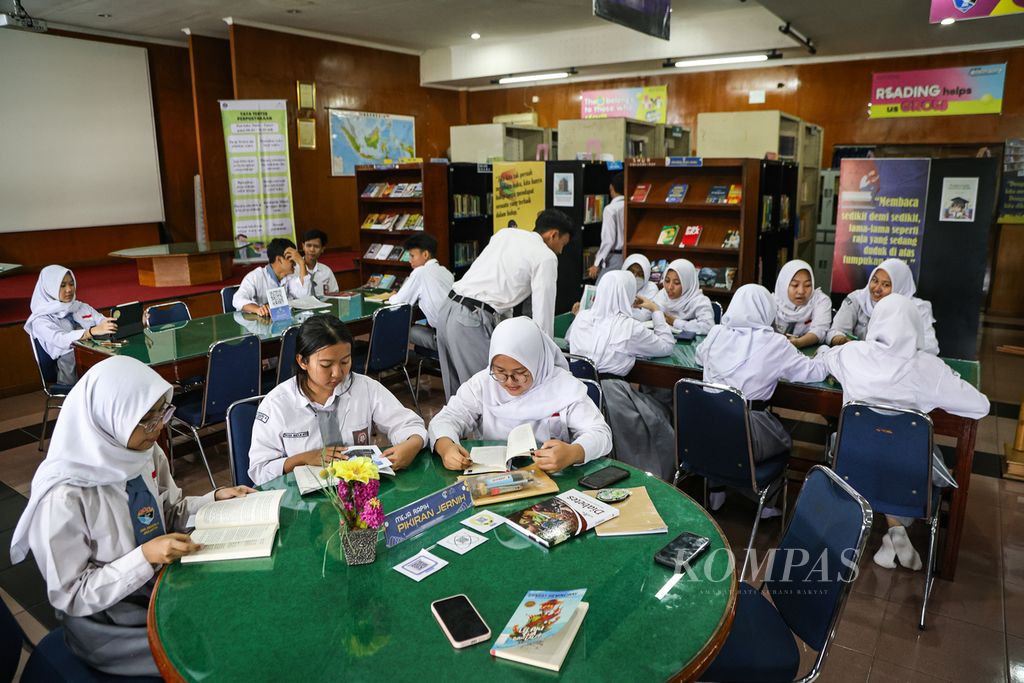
{"x": 392, "y": 190}
{"x": 466, "y": 205}
{"x": 465, "y": 252}
{"x": 393, "y": 221}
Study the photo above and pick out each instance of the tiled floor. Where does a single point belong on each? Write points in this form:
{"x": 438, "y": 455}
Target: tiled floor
{"x": 975, "y": 629}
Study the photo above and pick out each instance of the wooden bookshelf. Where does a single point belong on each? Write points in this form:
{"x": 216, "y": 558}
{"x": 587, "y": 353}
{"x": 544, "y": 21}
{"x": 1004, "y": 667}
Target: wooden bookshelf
{"x": 433, "y": 205}
{"x": 466, "y": 226}
{"x": 645, "y": 220}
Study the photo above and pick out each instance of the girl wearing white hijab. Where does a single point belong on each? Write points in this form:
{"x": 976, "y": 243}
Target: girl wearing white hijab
{"x": 528, "y": 382}
{"x": 804, "y": 313}
{"x": 101, "y": 502}
{"x": 640, "y": 266}
{"x": 58, "y": 319}
{"x": 685, "y": 308}
{"x": 891, "y": 276}
{"x": 891, "y": 368}
{"x": 746, "y": 353}
{"x": 609, "y": 335}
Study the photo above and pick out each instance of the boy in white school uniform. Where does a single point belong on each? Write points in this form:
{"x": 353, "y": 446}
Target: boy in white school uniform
{"x": 285, "y": 268}
{"x": 609, "y": 254}
{"x": 321, "y": 276}
{"x": 515, "y": 265}
{"x": 427, "y": 287}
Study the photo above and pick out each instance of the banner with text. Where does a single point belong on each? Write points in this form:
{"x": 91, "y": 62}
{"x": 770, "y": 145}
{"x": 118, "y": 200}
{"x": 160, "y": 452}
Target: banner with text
{"x": 646, "y": 104}
{"x": 938, "y": 92}
{"x": 973, "y": 9}
{"x": 880, "y": 216}
{"x": 259, "y": 175}
{"x": 518, "y": 188}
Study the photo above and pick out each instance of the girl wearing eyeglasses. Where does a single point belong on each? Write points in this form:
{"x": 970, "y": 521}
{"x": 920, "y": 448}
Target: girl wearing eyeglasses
{"x": 105, "y": 514}
{"x": 528, "y": 381}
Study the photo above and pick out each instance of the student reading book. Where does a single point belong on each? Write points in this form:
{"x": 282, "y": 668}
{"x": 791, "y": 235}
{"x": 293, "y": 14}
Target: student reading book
{"x": 542, "y": 628}
{"x": 521, "y": 444}
{"x": 237, "y": 529}
{"x": 558, "y": 519}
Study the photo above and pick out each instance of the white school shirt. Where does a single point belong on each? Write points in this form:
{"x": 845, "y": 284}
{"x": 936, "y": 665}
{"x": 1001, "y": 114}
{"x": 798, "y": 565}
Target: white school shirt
{"x": 322, "y": 279}
{"x": 817, "y": 322}
{"x": 772, "y": 359}
{"x": 286, "y": 422}
{"x": 466, "y": 414}
{"x": 852, "y": 320}
{"x": 514, "y": 265}
{"x": 426, "y": 287}
{"x": 611, "y": 231}
{"x": 696, "y": 316}
{"x": 56, "y": 333}
{"x": 255, "y": 284}
{"x": 619, "y": 359}
{"x": 84, "y": 542}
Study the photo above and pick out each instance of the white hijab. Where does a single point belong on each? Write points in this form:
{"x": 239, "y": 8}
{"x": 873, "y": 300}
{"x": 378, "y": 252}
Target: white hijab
{"x": 609, "y": 323}
{"x": 553, "y": 387}
{"x": 902, "y": 283}
{"x": 645, "y": 265}
{"x": 745, "y": 326}
{"x": 686, "y": 304}
{"x": 46, "y": 296}
{"x": 89, "y": 443}
{"x": 788, "y": 312}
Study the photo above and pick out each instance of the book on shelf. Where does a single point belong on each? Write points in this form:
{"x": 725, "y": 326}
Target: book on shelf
{"x": 593, "y": 207}
{"x": 641, "y": 192}
{"x": 784, "y": 206}
{"x": 374, "y": 281}
{"x": 717, "y": 194}
{"x": 369, "y": 221}
{"x": 466, "y": 205}
{"x": 387, "y": 221}
{"x": 388, "y": 189}
{"x": 556, "y": 520}
{"x": 465, "y": 252}
{"x": 735, "y": 194}
{"x": 766, "y": 212}
{"x": 414, "y": 222}
{"x": 658, "y": 269}
{"x": 542, "y": 628}
{"x": 668, "y": 234}
{"x": 237, "y": 528}
{"x": 677, "y": 193}
{"x": 716, "y": 278}
{"x": 732, "y": 240}
{"x": 521, "y": 443}
{"x": 396, "y": 253}
{"x": 384, "y": 251}
{"x": 406, "y": 256}
{"x": 637, "y": 516}
{"x": 387, "y": 281}
{"x": 415, "y": 190}
{"x": 373, "y": 190}
{"x": 371, "y": 251}
{"x": 401, "y": 190}
{"x": 691, "y": 236}
{"x": 400, "y": 222}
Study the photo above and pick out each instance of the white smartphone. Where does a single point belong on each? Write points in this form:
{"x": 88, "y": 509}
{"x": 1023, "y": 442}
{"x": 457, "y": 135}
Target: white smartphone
{"x": 460, "y": 621}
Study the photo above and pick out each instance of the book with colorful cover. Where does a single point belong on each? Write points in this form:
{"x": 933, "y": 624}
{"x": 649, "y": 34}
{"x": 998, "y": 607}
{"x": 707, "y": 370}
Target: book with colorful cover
{"x": 400, "y": 222}
{"x": 717, "y": 194}
{"x": 374, "y": 281}
{"x": 558, "y": 519}
{"x": 369, "y": 221}
{"x": 542, "y": 628}
{"x": 691, "y": 236}
{"x": 641, "y": 192}
{"x": 732, "y": 240}
{"x": 735, "y": 194}
{"x": 668, "y": 234}
{"x": 400, "y": 190}
{"x": 414, "y": 190}
{"x": 387, "y": 281}
{"x": 396, "y": 254}
{"x": 388, "y": 189}
{"x": 406, "y": 256}
{"x": 766, "y": 212}
{"x": 677, "y": 193}
{"x": 371, "y": 251}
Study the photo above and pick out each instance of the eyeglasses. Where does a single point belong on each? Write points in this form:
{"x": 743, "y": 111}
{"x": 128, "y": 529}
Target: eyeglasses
{"x": 154, "y": 423}
{"x": 517, "y": 377}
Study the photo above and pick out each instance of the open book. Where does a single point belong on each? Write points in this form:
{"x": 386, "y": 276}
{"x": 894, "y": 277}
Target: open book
{"x": 307, "y": 303}
{"x": 521, "y": 443}
{"x": 308, "y": 479}
{"x": 237, "y": 528}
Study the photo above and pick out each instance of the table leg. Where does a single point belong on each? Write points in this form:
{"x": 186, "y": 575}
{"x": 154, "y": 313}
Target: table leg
{"x": 968, "y": 430}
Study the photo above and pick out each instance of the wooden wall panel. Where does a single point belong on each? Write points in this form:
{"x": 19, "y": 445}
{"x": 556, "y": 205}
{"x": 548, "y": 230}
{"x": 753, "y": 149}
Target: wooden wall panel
{"x": 834, "y": 95}
{"x": 210, "y": 60}
{"x": 267, "y": 64}
{"x": 73, "y": 247}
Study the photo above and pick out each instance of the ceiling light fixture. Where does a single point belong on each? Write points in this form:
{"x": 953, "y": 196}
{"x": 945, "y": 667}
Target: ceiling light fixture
{"x": 730, "y": 59}
{"x": 948, "y": 21}
{"x": 474, "y": 35}
{"x": 787, "y": 29}
{"x": 551, "y": 76}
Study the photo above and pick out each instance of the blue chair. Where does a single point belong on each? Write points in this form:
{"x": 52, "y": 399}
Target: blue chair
{"x": 389, "y": 345}
{"x": 595, "y": 393}
{"x": 164, "y": 314}
{"x": 53, "y": 661}
{"x": 226, "y": 295}
{"x": 712, "y": 425}
{"x": 55, "y": 392}
{"x": 12, "y": 639}
{"x": 240, "y": 418}
{"x": 808, "y": 579}
{"x": 285, "y": 369}
{"x": 716, "y": 308}
{"x": 582, "y": 367}
{"x": 886, "y": 454}
{"x": 233, "y": 373}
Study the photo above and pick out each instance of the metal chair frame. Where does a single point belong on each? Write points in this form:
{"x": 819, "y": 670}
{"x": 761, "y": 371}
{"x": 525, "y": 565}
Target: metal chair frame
{"x": 231, "y": 445}
{"x": 570, "y": 357}
{"x": 50, "y": 396}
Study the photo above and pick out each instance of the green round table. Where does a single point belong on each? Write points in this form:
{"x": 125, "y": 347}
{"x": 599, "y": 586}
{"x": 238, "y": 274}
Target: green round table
{"x": 304, "y": 615}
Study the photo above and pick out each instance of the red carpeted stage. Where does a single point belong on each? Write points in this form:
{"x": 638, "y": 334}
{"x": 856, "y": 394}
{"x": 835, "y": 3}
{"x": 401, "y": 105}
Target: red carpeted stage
{"x": 105, "y": 286}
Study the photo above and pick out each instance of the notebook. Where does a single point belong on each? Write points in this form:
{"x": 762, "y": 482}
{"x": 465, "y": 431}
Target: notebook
{"x": 237, "y": 528}
{"x": 542, "y": 628}
{"x": 521, "y": 444}
{"x": 637, "y": 516}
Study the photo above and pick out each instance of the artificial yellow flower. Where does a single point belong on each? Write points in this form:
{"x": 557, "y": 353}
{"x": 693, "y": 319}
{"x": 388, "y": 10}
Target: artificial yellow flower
{"x": 360, "y": 469}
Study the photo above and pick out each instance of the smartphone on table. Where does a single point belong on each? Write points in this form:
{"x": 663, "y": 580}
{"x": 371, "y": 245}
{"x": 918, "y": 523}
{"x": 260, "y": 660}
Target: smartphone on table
{"x": 460, "y": 621}
{"x": 682, "y": 551}
{"x": 604, "y": 477}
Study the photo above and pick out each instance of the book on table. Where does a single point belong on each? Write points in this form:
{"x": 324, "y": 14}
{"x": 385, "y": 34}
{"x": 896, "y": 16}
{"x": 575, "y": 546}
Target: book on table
{"x": 237, "y": 528}
{"x": 668, "y": 234}
{"x": 387, "y": 281}
{"x": 307, "y": 303}
{"x": 520, "y": 444}
{"x": 310, "y": 478}
{"x": 542, "y": 628}
{"x": 637, "y": 516}
{"x": 556, "y": 520}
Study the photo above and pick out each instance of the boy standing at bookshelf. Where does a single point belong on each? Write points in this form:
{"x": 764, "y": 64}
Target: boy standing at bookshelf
{"x": 516, "y": 265}
{"x": 313, "y": 244}
{"x": 285, "y": 268}
{"x": 427, "y": 287}
{"x": 609, "y": 254}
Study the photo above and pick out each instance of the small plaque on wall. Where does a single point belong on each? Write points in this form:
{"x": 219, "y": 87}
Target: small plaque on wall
{"x": 306, "y": 133}
{"x": 305, "y": 93}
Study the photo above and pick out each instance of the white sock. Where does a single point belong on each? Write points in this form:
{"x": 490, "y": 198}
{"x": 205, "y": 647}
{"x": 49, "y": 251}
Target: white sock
{"x": 905, "y": 552}
{"x": 716, "y": 499}
{"x": 886, "y": 555}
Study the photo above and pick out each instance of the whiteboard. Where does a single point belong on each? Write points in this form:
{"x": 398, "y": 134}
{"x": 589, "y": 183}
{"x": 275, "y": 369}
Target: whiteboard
{"x": 77, "y": 136}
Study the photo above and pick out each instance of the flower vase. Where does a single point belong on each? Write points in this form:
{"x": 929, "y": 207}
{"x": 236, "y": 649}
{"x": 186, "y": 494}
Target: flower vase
{"x": 359, "y": 545}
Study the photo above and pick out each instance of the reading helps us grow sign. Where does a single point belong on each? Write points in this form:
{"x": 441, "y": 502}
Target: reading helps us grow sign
{"x": 938, "y": 92}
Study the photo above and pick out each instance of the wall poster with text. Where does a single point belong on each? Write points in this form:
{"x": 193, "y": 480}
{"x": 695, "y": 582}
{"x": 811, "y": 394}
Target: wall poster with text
{"x": 518, "y": 188}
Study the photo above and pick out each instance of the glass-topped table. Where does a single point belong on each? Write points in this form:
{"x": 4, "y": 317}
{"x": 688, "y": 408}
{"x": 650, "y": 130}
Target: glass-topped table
{"x": 181, "y": 263}
{"x": 303, "y": 614}
{"x": 8, "y": 268}
{"x": 826, "y": 398}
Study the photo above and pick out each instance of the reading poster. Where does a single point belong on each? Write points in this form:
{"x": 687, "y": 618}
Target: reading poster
{"x": 880, "y": 216}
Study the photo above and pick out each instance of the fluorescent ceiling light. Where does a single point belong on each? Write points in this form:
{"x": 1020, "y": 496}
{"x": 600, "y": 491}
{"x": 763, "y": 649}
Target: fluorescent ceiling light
{"x": 533, "y": 77}
{"x": 947, "y": 21}
{"x": 474, "y": 35}
{"x": 713, "y": 61}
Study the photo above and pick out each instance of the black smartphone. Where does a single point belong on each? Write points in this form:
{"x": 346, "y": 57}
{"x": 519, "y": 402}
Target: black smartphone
{"x": 604, "y": 477}
{"x": 682, "y": 551}
{"x": 460, "y": 621}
